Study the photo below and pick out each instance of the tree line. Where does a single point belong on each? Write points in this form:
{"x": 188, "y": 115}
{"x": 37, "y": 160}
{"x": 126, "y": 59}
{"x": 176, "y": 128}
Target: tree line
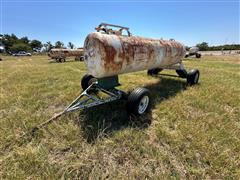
{"x": 205, "y": 47}
{"x": 13, "y": 44}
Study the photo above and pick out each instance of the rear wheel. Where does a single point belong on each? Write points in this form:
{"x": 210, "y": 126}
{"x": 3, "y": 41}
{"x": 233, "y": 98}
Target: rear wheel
{"x": 193, "y": 77}
{"x": 155, "y": 71}
{"x": 87, "y": 80}
{"x": 82, "y": 58}
{"x": 138, "y": 101}
{"x": 198, "y": 55}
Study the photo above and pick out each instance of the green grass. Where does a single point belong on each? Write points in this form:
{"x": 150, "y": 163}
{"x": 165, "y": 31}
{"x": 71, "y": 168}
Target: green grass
{"x": 191, "y": 132}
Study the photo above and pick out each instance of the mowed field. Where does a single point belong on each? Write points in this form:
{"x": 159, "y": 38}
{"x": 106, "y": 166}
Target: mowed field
{"x": 191, "y": 132}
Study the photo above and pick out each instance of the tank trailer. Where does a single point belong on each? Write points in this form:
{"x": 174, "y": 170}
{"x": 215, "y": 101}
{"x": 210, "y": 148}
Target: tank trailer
{"x": 193, "y": 51}
{"x": 60, "y": 55}
{"x": 108, "y": 53}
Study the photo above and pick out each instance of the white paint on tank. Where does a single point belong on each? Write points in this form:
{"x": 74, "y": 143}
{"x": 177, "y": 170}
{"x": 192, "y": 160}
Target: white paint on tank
{"x": 109, "y": 55}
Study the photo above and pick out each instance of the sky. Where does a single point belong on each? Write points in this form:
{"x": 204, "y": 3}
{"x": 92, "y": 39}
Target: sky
{"x": 186, "y": 21}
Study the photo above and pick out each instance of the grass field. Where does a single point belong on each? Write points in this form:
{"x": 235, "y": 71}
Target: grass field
{"x": 191, "y": 132}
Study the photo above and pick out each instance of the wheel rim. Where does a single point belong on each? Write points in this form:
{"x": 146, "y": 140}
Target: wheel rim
{"x": 143, "y": 104}
{"x": 196, "y": 78}
{"x": 91, "y": 81}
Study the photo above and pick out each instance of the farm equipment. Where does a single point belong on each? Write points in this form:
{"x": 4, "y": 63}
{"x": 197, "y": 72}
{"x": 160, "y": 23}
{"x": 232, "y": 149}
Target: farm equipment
{"x": 193, "y": 51}
{"x": 60, "y": 55}
{"x": 108, "y": 53}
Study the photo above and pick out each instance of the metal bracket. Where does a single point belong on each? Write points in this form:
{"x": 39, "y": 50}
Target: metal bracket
{"x": 108, "y": 82}
{"x": 90, "y": 98}
{"x": 86, "y": 99}
{"x": 179, "y": 66}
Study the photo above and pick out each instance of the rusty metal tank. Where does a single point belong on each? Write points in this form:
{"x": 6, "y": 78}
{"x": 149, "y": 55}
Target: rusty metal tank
{"x": 112, "y": 54}
{"x": 57, "y": 53}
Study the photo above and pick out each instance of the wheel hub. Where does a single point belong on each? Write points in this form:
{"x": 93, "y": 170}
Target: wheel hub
{"x": 143, "y": 104}
{"x": 196, "y": 78}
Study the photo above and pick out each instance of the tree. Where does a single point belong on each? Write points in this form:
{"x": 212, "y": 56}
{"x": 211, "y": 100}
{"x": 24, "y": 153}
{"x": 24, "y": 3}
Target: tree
{"x": 71, "y": 45}
{"x": 36, "y": 44}
{"x": 203, "y": 46}
{"x": 187, "y": 48}
{"x": 59, "y": 44}
{"x": 19, "y": 47}
{"x": 25, "y": 40}
{"x": 48, "y": 46}
{"x": 9, "y": 40}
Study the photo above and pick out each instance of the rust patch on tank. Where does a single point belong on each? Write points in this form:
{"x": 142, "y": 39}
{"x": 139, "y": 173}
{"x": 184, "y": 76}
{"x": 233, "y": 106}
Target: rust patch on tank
{"x": 120, "y": 54}
{"x": 65, "y": 52}
{"x": 127, "y": 52}
{"x": 136, "y": 48}
{"x": 109, "y": 62}
{"x": 108, "y": 56}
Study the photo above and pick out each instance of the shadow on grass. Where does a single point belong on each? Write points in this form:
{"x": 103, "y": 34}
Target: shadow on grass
{"x": 52, "y": 61}
{"x": 192, "y": 58}
{"x": 106, "y": 119}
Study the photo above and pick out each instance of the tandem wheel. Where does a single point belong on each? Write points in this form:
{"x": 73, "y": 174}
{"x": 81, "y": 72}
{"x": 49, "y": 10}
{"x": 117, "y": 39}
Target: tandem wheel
{"x": 198, "y": 55}
{"x": 138, "y": 101}
{"x": 193, "y": 77}
{"x": 153, "y": 72}
{"x": 182, "y": 73}
{"x": 87, "y": 80}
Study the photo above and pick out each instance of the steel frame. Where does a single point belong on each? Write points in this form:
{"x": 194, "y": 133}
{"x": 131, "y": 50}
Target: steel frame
{"x": 89, "y": 98}
{"x": 178, "y": 66}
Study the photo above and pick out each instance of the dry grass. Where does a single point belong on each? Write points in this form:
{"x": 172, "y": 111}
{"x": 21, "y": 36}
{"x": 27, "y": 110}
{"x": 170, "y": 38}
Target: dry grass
{"x": 192, "y": 132}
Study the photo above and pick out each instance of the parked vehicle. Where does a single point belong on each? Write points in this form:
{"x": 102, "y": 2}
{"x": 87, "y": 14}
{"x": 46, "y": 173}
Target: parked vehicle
{"x": 22, "y": 53}
{"x": 193, "y": 51}
{"x": 60, "y": 55}
{"x": 2, "y": 49}
{"x": 109, "y": 53}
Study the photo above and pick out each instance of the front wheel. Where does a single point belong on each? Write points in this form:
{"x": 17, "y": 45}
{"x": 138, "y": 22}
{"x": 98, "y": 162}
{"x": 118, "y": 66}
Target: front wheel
{"x": 82, "y": 58}
{"x": 138, "y": 101}
{"x": 87, "y": 80}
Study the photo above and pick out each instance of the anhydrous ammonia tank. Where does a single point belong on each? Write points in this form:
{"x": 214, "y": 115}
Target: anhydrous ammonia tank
{"x": 109, "y": 54}
{"x": 65, "y": 52}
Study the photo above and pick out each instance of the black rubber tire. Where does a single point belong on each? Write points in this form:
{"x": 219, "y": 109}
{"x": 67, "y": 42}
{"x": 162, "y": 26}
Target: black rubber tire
{"x": 182, "y": 73}
{"x": 198, "y": 55}
{"x": 155, "y": 71}
{"x": 193, "y": 77}
{"x": 81, "y": 58}
{"x": 86, "y": 81}
{"x": 134, "y": 99}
